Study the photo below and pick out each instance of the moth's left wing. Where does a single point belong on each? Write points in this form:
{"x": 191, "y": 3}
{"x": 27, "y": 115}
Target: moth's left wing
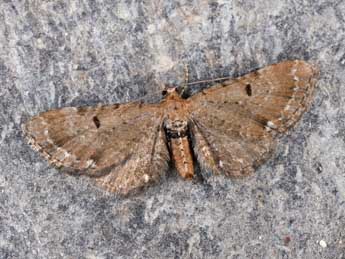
{"x": 234, "y": 124}
{"x": 123, "y": 146}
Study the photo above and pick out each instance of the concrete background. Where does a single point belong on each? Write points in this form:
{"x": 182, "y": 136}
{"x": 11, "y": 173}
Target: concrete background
{"x": 61, "y": 53}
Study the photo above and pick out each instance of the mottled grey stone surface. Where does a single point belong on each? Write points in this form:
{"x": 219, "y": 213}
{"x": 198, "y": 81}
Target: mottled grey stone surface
{"x": 61, "y": 53}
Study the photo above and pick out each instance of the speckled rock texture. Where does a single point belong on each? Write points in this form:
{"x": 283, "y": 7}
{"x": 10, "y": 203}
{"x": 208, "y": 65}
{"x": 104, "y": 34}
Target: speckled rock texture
{"x": 62, "y": 53}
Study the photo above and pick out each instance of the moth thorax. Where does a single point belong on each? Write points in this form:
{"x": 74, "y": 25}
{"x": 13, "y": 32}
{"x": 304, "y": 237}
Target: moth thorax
{"x": 176, "y": 128}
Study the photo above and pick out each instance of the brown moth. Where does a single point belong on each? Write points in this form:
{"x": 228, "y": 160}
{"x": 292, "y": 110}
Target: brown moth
{"x": 230, "y": 129}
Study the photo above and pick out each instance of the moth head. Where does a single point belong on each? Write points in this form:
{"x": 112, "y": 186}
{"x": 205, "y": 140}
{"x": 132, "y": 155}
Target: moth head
{"x": 170, "y": 91}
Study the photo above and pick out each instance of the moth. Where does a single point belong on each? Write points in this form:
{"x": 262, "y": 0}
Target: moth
{"x": 230, "y": 128}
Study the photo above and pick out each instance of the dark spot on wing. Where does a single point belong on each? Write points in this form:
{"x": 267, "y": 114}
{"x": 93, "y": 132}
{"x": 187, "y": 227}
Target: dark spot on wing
{"x": 249, "y": 89}
{"x": 96, "y": 121}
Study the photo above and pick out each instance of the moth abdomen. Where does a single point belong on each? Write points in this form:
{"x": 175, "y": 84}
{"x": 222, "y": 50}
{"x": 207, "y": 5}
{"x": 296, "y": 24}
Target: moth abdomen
{"x": 178, "y": 137}
{"x": 182, "y": 156}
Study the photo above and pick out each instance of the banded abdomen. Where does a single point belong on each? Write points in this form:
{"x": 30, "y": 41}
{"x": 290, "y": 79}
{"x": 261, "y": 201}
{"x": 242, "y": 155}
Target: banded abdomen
{"x": 177, "y": 135}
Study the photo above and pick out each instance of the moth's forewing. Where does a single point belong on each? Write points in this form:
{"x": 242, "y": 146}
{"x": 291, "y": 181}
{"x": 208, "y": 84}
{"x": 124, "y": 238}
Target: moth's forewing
{"x": 103, "y": 141}
{"x": 236, "y": 122}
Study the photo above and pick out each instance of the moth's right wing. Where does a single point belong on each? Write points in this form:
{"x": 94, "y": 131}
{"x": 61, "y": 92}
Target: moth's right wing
{"x": 122, "y": 146}
{"x": 234, "y": 124}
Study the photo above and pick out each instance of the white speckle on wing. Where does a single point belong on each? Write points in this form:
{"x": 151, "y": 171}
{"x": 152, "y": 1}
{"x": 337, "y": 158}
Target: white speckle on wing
{"x": 221, "y": 164}
{"x": 146, "y": 178}
{"x": 90, "y": 163}
{"x": 67, "y": 154}
{"x": 271, "y": 125}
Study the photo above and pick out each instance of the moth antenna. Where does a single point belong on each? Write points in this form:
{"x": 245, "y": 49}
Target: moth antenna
{"x": 210, "y": 80}
{"x": 186, "y": 75}
{"x": 186, "y": 79}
